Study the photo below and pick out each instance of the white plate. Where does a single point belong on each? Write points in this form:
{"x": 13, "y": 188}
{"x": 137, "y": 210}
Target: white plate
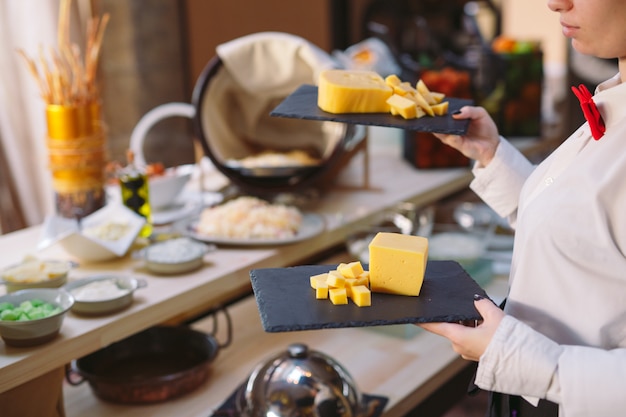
{"x": 176, "y": 211}
{"x": 312, "y": 225}
{"x": 187, "y": 205}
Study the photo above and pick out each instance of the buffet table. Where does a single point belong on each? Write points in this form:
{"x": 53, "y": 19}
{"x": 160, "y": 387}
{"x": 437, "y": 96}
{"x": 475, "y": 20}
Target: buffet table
{"x": 402, "y": 369}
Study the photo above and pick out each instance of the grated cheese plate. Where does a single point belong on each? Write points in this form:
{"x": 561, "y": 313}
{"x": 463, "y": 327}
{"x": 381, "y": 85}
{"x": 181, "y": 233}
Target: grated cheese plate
{"x": 312, "y": 225}
{"x": 302, "y": 104}
{"x": 286, "y": 301}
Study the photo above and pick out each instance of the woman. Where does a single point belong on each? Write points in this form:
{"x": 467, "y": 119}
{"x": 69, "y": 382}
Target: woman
{"x": 559, "y": 346}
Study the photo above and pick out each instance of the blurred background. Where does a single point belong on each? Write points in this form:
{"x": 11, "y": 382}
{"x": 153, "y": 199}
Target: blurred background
{"x": 155, "y": 50}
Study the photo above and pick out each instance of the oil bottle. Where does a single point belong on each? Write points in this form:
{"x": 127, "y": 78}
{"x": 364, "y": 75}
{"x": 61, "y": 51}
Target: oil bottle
{"x": 135, "y": 192}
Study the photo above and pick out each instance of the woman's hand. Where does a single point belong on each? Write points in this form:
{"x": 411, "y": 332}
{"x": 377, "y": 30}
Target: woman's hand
{"x": 481, "y": 139}
{"x": 470, "y": 342}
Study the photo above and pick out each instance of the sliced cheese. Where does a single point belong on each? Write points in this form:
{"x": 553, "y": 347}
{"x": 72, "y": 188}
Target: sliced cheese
{"x": 440, "y": 109}
{"x": 392, "y": 80}
{"x": 397, "y": 263}
{"x": 402, "y": 106}
{"x": 421, "y": 102}
{"x": 425, "y": 92}
{"x": 352, "y": 91}
{"x": 437, "y": 97}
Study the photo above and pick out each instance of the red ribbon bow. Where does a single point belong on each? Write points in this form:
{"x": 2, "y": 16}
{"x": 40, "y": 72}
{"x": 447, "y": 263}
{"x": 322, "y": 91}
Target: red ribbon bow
{"x": 590, "y": 111}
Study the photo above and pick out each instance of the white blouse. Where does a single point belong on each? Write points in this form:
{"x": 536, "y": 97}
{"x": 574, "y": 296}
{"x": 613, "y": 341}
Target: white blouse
{"x": 564, "y": 338}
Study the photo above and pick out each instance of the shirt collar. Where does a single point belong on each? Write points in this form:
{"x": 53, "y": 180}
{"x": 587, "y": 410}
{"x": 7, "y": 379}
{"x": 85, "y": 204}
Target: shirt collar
{"x": 609, "y": 97}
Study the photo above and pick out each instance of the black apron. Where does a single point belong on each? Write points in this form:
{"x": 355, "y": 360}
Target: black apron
{"x": 503, "y": 405}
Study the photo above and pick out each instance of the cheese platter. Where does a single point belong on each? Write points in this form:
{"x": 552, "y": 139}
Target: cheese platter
{"x": 302, "y": 104}
{"x": 286, "y": 301}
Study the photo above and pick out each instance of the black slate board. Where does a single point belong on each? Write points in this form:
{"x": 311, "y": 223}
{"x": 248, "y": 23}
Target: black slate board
{"x": 286, "y": 301}
{"x": 302, "y": 104}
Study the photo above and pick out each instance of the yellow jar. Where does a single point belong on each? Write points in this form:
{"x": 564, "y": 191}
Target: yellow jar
{"x": 77, "y": 157}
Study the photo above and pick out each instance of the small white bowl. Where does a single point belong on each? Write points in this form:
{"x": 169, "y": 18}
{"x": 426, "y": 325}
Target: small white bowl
{"x": 36, "y": 273}
{"x": 38, "y": 331}
{"x": 164, "y": 189}
{"x": 174, "y": 256}
{"x": 92, "y": 303}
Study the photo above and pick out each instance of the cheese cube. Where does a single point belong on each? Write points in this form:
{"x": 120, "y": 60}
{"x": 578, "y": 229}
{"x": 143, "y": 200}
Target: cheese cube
{"x": 363, "y": 279}
{"x": 351, "y": 270}
{"x": 321, "y": 291}
{"x": 397, "y": 263}
{"x": 316, "y": 280}
{"x": 350, "y": 282}
{"x": 361, "y": 296}
{"x": 352, "y": 91}
{"x": 336, "y": 280}
{"x": 338, "y": 296}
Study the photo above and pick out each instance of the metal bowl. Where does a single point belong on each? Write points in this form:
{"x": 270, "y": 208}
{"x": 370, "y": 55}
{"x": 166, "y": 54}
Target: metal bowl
{"x": 37, "y": 331}
{"x": 174, "y": 256}
{"x": 299, "y": 382}
{"x": 89, "y": 303}
{"x": 35, "y": 273}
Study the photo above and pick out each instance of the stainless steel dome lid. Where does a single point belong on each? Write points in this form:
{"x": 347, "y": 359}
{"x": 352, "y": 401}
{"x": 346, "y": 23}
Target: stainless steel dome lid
{"x": 299, "y": 382}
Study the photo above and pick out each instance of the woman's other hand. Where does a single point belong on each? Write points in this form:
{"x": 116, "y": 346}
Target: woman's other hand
{"x": 481, "y": 139}
{"x": 470, "y": 342}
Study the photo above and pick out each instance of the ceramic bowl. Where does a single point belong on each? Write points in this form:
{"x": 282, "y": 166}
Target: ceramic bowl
{"x": 36, "y": 331}
{"x": 36, "y": 273}
{"x": 103, "y": 294}
{"x": 104, "y": 235}
{"x": 164, "y": 189}
{"x": 174, "y": 256}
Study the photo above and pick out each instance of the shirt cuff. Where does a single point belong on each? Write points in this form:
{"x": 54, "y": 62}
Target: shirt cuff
{"x": 499, "y": 183}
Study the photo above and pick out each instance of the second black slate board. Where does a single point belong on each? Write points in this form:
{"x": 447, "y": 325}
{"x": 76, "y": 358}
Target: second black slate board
{"x": 302, "y": 104}
{"x": 286, "y": 301}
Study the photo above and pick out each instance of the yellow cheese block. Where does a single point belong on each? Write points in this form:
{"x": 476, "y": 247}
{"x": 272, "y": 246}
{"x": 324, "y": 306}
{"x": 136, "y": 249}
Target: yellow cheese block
{"x": 361, "y": 296}
{"x": 338, "y": 296}
{"x": 352, "y": 91}
{"x": 397, "y": 263}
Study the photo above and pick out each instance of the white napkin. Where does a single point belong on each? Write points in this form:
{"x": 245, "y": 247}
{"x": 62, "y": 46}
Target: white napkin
{"x": 258, "y": 72}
